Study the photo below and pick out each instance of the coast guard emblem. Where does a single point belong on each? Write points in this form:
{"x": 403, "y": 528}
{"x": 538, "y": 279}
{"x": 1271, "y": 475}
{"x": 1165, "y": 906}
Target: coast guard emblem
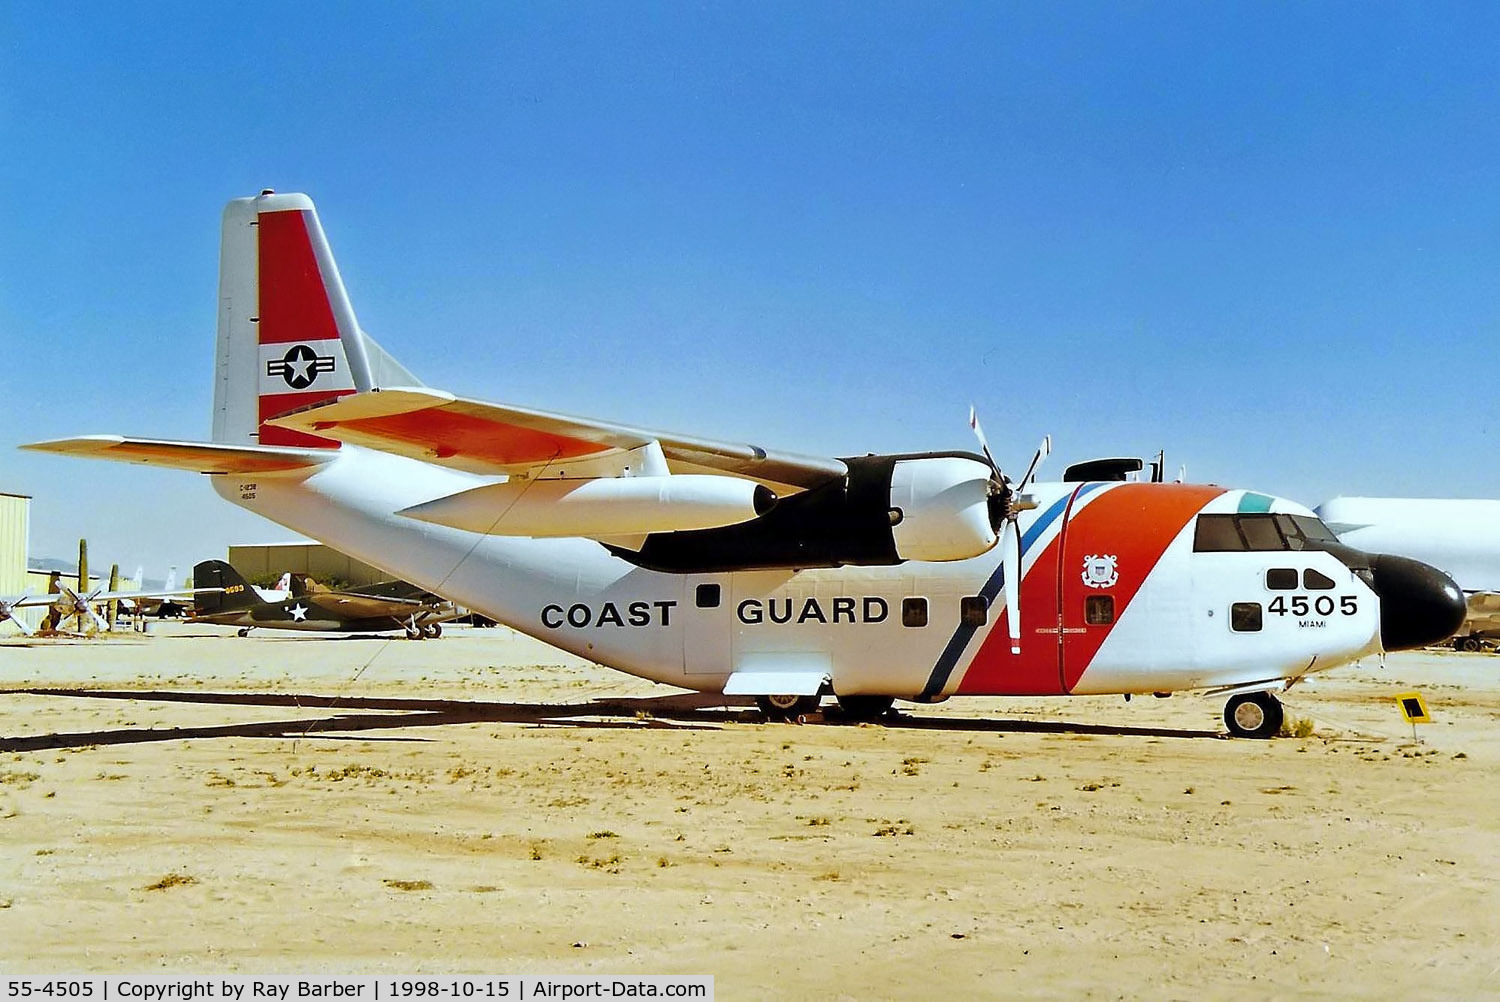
{"x": 1099, "y": 570}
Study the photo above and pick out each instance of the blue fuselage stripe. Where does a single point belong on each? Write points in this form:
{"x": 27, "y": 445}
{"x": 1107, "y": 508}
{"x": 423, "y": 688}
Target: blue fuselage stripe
{"x": 965, "y": 632}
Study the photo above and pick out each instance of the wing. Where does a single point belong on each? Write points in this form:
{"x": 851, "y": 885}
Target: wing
{"x": 197, "y": 457}
{"x": 349, "y": 606}
{"x": 113, "y": 596}
{"x": 486, "y": 438}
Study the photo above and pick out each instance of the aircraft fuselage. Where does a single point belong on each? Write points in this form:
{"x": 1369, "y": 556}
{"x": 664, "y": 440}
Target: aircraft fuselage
{"x": 1118, "y": 593}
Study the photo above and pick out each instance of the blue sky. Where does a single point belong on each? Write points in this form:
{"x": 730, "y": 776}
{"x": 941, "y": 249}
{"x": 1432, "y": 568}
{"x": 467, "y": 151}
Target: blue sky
{"x": 1261, "y": 236}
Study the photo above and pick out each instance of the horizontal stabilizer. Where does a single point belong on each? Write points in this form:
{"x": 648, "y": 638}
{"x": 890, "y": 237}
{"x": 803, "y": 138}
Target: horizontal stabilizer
{"x": 197, "y": 457}
{"x": 485, "y": 438}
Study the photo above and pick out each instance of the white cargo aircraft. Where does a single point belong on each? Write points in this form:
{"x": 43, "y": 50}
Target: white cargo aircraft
{"x": 1459, "y": 535}
{"x": 721, "y": 566}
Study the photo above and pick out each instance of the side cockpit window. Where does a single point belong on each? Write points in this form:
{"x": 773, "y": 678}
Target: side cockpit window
{"x": 1314, "y": 580}
{"x": 1281, "y": 578}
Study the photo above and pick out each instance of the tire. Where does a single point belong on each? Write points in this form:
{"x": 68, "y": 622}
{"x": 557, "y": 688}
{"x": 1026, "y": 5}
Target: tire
{"x": 786, "y": 707}
{"x": 865, "y": 708}
{"x": 244, "y": 631}
{"x": 432, "y": 630}
{"x": 1470, "y": 644}
{"x": 1253, "y": 715}
{"x": 413, "y": 633}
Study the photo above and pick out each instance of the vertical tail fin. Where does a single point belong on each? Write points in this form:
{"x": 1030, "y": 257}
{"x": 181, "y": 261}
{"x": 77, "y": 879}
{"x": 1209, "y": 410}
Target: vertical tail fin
{"x": 288, "y": 337}
{"x": 237, "y": 593}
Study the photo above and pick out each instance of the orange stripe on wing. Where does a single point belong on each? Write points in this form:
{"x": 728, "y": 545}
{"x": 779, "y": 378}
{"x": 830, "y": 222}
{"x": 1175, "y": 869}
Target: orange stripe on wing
{"x": 453, "y": 433}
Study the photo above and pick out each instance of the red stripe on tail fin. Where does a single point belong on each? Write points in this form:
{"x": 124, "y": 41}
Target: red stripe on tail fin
{"x": 293, "y": 300}
{"x": 294, "y": 310}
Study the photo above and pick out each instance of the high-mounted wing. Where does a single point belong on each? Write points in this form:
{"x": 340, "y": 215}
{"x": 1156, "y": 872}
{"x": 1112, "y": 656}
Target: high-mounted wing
{"x": 197, "y": 457}
{"x": 485, "y": 438}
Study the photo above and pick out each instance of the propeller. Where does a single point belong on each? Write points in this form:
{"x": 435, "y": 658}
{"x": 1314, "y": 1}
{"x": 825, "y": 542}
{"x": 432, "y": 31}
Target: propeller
{"x": 1006, "y": 504}
{"x": 8, "y": 611}
{"x": 80, "y": 608}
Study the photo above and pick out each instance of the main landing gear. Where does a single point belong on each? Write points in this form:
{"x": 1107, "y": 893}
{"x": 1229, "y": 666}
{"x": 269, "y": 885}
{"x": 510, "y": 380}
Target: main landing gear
{"x": 1253, "y": 715}
{"x": 786, "y": 707}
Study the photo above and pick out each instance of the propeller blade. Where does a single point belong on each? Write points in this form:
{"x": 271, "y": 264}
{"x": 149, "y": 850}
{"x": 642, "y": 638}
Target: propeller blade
{"x": 984, "y": 444}
{"x": 99, "y": 620}
{"x": 8, "y": 611}
{"x": 1010, "y": 552}
{"x": 1043, "y": 451}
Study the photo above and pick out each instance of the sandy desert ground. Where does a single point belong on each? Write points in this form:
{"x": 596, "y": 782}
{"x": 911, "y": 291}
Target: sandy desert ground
{"x": 485, "y": 804}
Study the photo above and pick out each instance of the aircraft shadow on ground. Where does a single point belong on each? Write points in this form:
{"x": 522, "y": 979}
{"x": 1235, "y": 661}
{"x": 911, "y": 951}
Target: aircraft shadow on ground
{"x": 365, "y": 714}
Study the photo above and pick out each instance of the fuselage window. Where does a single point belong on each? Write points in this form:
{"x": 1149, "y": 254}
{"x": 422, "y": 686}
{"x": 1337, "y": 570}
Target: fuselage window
{"x": 913, "y": 612}
{"x": 1245, "y": 617}
{"x": 708, "y": 596}
{"x": 1281, "y": 578}
{"x": 974, "y": 610}
{"x": 1099, "y": 610}
{"x": 1316, "y": 581}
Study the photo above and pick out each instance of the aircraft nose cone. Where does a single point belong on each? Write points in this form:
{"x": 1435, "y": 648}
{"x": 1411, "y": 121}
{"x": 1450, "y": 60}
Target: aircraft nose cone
{"x": 1419, "y": 604}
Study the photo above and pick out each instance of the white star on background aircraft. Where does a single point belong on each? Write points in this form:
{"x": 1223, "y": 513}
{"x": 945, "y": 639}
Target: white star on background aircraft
{"x": 728, "y": 567}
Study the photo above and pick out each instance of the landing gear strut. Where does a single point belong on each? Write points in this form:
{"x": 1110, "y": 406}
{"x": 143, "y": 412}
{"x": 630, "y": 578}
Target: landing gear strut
{"x": 786, "y": 706}
{"x": 1253, "y": 715}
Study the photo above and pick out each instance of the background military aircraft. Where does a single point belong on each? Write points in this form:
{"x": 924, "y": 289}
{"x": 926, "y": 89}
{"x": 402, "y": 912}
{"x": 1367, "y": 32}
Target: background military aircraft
{"x": 376, "y": 608}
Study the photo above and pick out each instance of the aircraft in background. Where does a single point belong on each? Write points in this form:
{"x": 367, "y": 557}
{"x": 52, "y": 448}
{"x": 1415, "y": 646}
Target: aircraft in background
{"x": 727, "y": 567}
{"x": 309, "y": 606}
{"x": 10, "y": 604}
{"x": 1459, "y": 535}
{"x": 80, "y": 605}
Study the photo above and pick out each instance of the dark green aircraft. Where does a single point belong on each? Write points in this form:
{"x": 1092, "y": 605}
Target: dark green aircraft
{"x": 377, "y": 608}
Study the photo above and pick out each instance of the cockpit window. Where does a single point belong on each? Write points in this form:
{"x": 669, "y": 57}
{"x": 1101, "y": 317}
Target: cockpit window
{"x": 1259, "y": 531}
{"x": 1216, "y": 534}
{"x": 1314, "y": 529}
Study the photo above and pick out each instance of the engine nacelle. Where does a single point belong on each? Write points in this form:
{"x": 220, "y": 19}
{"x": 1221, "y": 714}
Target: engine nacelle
{"x": 612, "y": 506}
{"x": 943, "y": 506}
{"x": 932, "y": 506}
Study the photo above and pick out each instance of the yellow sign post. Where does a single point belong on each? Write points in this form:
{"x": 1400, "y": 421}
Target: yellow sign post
{"x": 1413, "y": 710}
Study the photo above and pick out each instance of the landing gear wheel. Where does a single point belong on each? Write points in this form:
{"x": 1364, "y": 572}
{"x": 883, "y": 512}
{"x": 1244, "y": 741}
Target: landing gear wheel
{"x": 1253, "y": 715}
{"x": 414, "y": 633}
{"x": 432, "y": 631}
{"x": 1470, "y": 644}
{"x": 786, "y": 706}
{"x": 244, "y": 631}
{"x": 865, "y": 708}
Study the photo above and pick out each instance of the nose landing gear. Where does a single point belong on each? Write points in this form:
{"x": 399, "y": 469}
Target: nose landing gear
{"x": 1253, "y": 715}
